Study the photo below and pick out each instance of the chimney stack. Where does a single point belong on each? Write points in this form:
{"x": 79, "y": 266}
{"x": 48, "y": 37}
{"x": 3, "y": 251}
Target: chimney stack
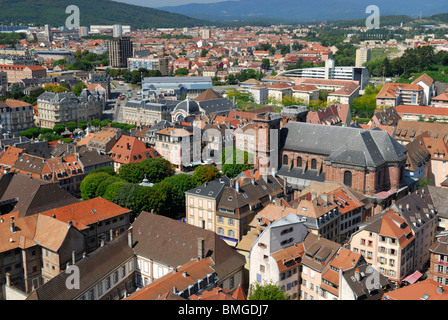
{"x": 357, "y": 275}
{"x": 201, "y": 248}
{"x": 83, "y": 254}
{"x": 12, "y": 225}
{"x": 237, "y": 186}
{"x": 111, "y": 234}
{"x": 130, "y": 238}
{"x": 73, "y": 257}
{"x": 8, "y": 279}
{"x": 439, "y": 289}
{"x": 102, "y": 243}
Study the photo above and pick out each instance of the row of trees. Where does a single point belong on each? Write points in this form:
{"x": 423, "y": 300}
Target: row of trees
{"x": 134, "y": 76}
{"x": 166, "y": 197}
{"x": 413, "y": 60}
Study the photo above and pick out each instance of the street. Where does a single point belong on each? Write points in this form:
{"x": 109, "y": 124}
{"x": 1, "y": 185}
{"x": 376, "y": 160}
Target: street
{"x": 113, "y": 109}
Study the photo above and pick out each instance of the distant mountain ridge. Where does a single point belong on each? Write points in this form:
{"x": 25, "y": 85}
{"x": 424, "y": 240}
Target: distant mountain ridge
{"x": 99, "y": 12}
{"x": 305, "y": 10}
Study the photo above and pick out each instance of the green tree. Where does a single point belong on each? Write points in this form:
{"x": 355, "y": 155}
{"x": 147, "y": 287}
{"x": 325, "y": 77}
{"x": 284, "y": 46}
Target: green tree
{"x": 59, "y": 128}
{"x": 182, "y": 183}
{"x": 181, "y": 72}
{"x": 266, "y": 63}
{"x": 71, "y": 126}
{"x": 112, "y": 190}
{"x": 90, "y": 184}
{"x": 235, "y": 161}
{"x": 104, "y": 184}
{"x": 15, "y": 92}
{"x": 77, "y": 89}
{"x": 109, "y": 170}
{"x": 205, "y": 173}
{"x": 30, "y": 133}
{"x": 268, "y": 291}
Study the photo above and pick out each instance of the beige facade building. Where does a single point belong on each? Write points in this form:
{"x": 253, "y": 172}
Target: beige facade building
{"x": 60, "y": 108}
{"x": 362, "y": 56}
{"x": 387, "y": 242}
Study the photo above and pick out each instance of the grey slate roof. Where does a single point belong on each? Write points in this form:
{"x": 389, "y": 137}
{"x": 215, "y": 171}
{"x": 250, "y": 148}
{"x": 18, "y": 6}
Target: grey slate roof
{"x": 148, "y": 105}
{"x": 359, "y": 287}
{"x": 211, "y": 189}
{"x": 343, "y": 144}
{"x": 217, "y": 106}
{"x": 91, "y": 269}
{"x": 439, "y": 197}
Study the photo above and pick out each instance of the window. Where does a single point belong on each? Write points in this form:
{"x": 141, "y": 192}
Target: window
{"x": 262, "y": 268}
{"x": 348, "y": 178}
{"x": 299, "y": 161}
{"x": 313, "y": 164}
{"x": 115, "y": 277}
{"x": 285, "y": 159}
{"x": 107, "y": 283}
{"x": 100, "y": 289}
{"x": 231, "y": 222}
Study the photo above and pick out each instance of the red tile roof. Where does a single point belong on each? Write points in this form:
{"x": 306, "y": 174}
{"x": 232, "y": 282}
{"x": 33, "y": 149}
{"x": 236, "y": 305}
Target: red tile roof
{"x": 85, "y": 213}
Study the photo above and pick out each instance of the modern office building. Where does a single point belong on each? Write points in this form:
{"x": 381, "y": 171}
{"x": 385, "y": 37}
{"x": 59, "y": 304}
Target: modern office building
{"x": 330, "y": 71}
{"x": 119, "y": 50}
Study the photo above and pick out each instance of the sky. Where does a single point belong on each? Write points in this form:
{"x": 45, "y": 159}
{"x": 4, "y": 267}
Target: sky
{"x": 163, "y": 3}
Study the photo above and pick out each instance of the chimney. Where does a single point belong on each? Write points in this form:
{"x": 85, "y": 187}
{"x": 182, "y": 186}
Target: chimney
{"x": 439, "y": 289}
{"x": 357, "y": 275}
{"x": 201, "y": 248}
{"x": 53, "y": 215}
{"x": 184, "y": 274}
{"x": 130, "y": 238}
{"x": 237, "y": 186}
{"x": 111, "y": 232}
{"x": 102, "y": 243}
{"x": 116, "y": 234}
{"x": 73, "y": 257}
{"x": 70, "y": 223}
{"x": 174, "y": 290}
{"x": 12, "y": 225}
{"x": 83, "y": 254}
{"x": 8, "y": 279}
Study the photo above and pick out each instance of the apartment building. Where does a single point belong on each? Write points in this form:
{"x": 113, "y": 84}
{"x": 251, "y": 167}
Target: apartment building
{"x": 387, "y": 242}
{"x": 362, "y": 56}
{"x": 241, "y": 201}
{"x": 394, "y": 94}
{"x": 176, "y": 146}
{"x": 98, "y": 219}
{"x": 276, "y": 254}
{"x": 130, "y": 150}
{"x": 438, "y": 269}
{"x": 160, "y": 64}
{"x": 16, "y": 116}
{"x": 419, "y": 212}
{"x": 16, "y": 73}
{"x": 163, "y": 244}
{"x": 202, "y": 203}
{"x": 119, "y": 51}
{"x": 108, "y": 273}
{"x": 35, "y": 249}
{"x": 437, "y": 147}
{"x": 146, "y": 113}
{"x": 60, "y": 108}
{"x": 319, "y": 252}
